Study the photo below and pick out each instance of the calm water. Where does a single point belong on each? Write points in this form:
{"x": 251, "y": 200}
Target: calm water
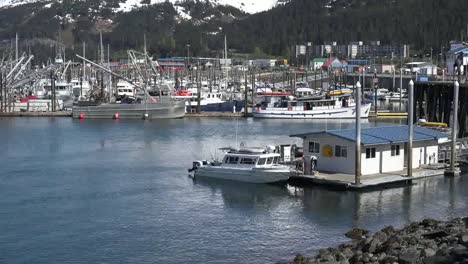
{"x": 117, "y": 191}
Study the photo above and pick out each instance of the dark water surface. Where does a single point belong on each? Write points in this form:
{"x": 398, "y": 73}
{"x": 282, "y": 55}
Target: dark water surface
{"x": 117, "y": 191}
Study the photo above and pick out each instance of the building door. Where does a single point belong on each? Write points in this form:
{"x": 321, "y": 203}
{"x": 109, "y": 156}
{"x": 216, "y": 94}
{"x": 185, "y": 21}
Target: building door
{"x": 313, "y": 165}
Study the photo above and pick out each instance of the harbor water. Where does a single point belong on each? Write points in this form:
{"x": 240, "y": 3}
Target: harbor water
{"x": 118, "y": 191}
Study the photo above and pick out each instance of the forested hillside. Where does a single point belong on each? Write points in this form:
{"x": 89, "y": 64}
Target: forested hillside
{"x": 424, "y": 24}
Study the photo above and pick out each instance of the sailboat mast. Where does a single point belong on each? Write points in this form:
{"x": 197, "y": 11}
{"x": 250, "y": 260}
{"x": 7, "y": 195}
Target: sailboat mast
{"x": 84, "y": 56}
{"x": 226, "y": 62}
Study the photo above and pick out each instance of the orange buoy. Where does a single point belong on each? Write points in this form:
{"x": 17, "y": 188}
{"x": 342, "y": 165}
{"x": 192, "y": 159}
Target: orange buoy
{"x": 81, "y": 116}
{"x": 116, "y": 116}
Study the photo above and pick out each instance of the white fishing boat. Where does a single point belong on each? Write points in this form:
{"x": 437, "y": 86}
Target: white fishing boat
{"x": 311, "y": 108}
{"x": 254, "y": 165}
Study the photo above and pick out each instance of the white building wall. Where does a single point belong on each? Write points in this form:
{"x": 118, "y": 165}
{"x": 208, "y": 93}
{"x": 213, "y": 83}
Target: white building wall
{"x": 424, "y": 153}
{"x": 392, "y": 163}
{"x": 329, "y": 164}
{"x": 371, "y": 165}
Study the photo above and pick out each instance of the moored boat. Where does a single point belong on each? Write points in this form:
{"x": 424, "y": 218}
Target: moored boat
{"x": 253, "y": 165}
{"x": 312, "y": 108}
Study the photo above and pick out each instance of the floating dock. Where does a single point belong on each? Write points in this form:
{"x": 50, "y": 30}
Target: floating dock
{"x": 36, "y": 114}
{"x": 339, "y": 181}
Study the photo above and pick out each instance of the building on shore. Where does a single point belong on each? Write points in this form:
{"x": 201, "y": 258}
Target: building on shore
{"x": 458, "y": 53}
{"x": 383, "y": 149}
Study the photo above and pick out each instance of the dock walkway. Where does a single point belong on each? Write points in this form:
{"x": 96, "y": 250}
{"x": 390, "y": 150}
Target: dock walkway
{"x": 381, "y": 180}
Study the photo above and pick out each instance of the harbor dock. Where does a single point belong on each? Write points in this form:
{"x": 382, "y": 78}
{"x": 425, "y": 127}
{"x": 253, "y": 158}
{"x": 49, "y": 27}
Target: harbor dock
{"x": 341, "y": 181}
{"x": 36, "y": 114}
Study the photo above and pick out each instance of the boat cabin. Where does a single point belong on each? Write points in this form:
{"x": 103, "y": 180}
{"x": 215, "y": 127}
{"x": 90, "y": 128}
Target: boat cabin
{"x": 250, "y": 157}
{"x": 302, "y": 104}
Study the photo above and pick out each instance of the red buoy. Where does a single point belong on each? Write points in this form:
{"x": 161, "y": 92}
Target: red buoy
{"x": 116, "y": 116}
{"x": 81, "y": 116}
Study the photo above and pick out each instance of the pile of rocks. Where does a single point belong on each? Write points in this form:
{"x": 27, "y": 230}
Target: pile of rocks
{"x": 428, "y": 241}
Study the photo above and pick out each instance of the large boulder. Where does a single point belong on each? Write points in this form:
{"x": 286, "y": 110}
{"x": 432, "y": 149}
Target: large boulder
{"x": 409, "y": 257}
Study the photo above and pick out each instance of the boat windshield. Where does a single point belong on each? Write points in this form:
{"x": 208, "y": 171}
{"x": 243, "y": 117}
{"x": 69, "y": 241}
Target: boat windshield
{"x": 231, "y": 160}
{"x": 247, "y": 161}
{"x": 275, "y": 160}
{"x": 269, "y": 161}
{"x": 261, "y": 161}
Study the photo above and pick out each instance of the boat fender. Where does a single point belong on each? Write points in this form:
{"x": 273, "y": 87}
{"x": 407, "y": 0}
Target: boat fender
{"x": 145, "y": 116}
{"x": 116, "y": 116}
{"x": 81, "y": 116}
{"x": 289, "y": 108}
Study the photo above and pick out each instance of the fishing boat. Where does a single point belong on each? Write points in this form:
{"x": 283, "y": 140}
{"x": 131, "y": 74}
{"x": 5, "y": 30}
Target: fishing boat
{"x": 214, "y": 102}
{"x": 309, "y": 108}
{"x": 253, "y": 165}
{"x": 155, "y": 108}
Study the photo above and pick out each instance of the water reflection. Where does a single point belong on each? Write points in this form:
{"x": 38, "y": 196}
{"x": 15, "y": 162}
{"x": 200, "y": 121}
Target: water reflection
{"x": 243, "y": 196}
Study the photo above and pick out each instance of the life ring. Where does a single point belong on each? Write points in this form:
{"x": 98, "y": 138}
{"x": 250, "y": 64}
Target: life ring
{"x": 289, "y": 108}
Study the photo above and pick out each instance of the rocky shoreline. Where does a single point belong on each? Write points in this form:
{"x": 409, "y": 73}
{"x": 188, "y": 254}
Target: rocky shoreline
{"x": 429, "y": 242}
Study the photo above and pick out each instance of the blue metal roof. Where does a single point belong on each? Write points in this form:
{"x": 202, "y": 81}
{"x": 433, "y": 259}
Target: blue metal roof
{"x": 383, "y": 135}
{"x": 459, "y": 50}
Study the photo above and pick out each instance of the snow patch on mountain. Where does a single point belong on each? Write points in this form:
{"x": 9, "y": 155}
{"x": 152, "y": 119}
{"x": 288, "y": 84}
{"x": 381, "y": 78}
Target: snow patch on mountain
{"x": 249, "y": 6}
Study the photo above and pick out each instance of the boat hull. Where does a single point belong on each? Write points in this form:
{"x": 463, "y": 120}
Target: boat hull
{"x": 131, "y": 111}
{"x": 228, "y": 106}
{"x": 339, "y": 113}
{"x": 254, "y": 175}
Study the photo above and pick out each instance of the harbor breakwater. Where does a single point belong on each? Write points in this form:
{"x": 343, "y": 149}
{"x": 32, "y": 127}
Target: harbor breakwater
{"x": 429, "y": 242}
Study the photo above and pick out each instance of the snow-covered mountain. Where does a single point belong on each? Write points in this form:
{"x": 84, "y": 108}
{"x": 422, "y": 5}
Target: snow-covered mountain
{"x": 249, "y": 6}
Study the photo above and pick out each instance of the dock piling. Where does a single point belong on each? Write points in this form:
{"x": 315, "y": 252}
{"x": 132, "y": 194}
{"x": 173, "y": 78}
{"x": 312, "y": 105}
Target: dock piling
{"x": 453, "y": 150}
{"x": 358, "y": 135}
{"x": 410, "y": 128}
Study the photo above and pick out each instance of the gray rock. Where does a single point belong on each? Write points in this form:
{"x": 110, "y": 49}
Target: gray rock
{"x": 460, "y": 252}
{"x": 410, "y": 256}
{"x": 389, "y": 230}
{"x": 371, "y": 246}
{"x": 436, "y": 234}
{"x": 380, "y": 236}
{"x": 356, "y": 233}
{"x": 428, "y": 252}
{"x": 390, "y": 259}
{"x": 429, "y": 222}
{"x": 438, "y": 260}
{"x": 464, "y": 237}
{"x": 348, "y": 252}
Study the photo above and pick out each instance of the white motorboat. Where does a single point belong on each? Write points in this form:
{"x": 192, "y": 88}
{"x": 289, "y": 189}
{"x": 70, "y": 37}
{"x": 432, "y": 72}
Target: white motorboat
{"x": 254, "y": 165}
{"x": 283, "y": 107}
{"x": 395, "y": 97}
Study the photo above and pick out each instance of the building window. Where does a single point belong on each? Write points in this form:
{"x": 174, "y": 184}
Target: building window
{"x": 370, "y": 153}
{"x": 314, "y": 147}
{"x": 341, "y": 151}
{"x": 395, "y": 150}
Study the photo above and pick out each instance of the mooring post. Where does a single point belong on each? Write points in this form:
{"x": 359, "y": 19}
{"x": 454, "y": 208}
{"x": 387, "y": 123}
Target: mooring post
{"x": 358, "y": 135}
{"x": 409, "y": 150}
{"x": 453, "y": 150}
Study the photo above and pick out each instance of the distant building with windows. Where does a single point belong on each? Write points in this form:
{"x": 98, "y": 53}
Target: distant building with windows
{"x": 360, "y": 49}
{"x": 382, "y": 151}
